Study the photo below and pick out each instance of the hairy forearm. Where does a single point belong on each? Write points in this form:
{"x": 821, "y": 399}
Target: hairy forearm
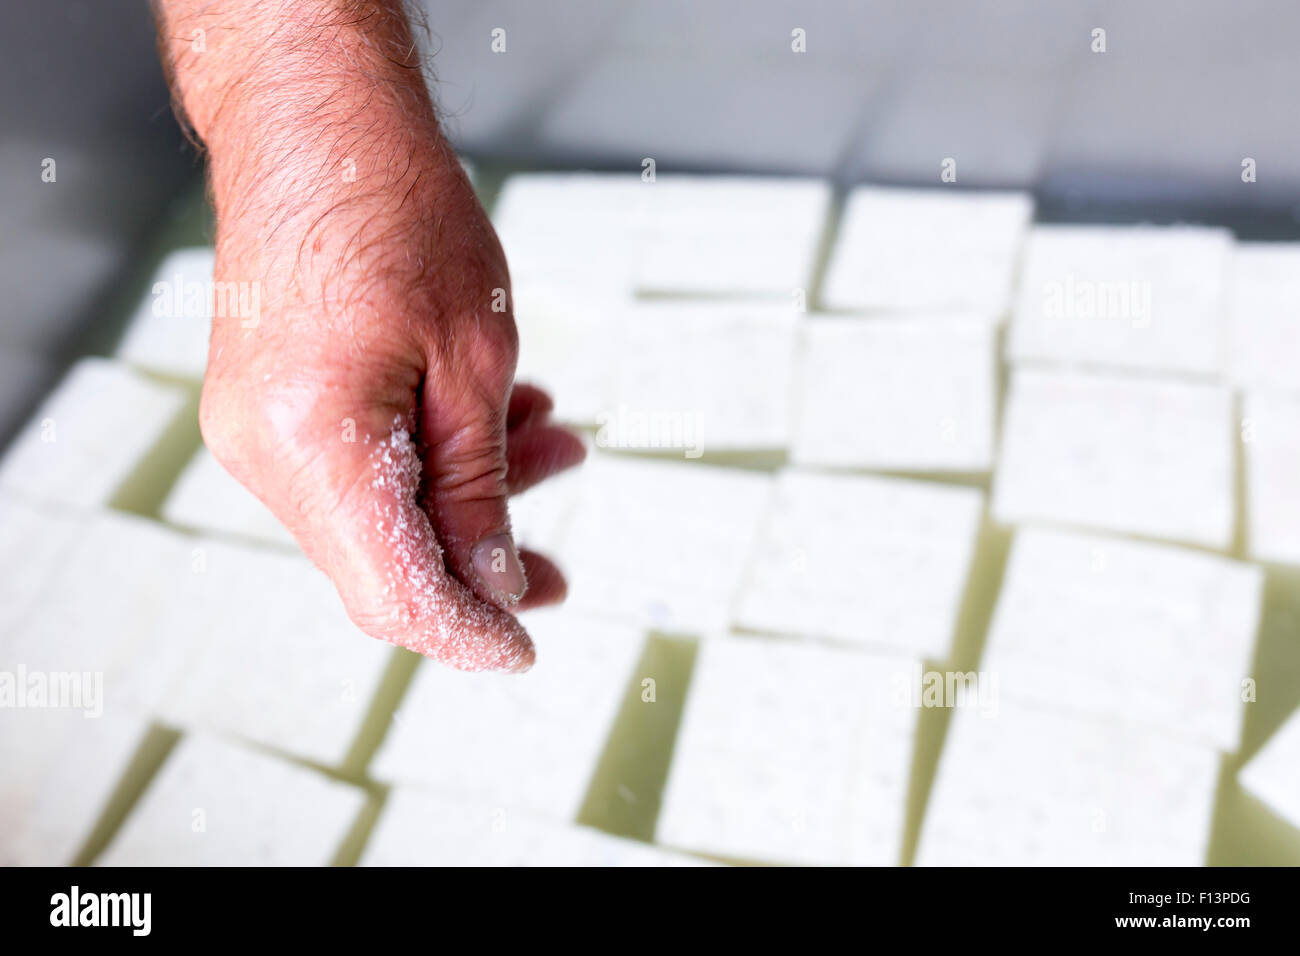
{"x": 317, "y": 125}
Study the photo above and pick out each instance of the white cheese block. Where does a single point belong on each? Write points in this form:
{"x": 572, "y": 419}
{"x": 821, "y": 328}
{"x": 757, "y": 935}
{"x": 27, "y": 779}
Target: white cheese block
{"x": 217, "y": 803}
{"x": 528, "y": 741}
{"x": 1144, "y": 456}
{"x": 1031, "y": 786}
{"x": 89, "y": 435}
{"x": 873, "y": 561}
{"x": 1134, "y": 297}
{"x": 899, "y": 394}
{"x": 926, "y": 249}
{"x": 423, "y": 829}
{"x": 790, "y": 753}
{"x": 1155, "y": 635}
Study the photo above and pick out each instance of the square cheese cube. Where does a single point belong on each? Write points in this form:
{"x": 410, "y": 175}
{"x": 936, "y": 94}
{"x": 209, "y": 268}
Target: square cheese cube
{"x": 662, "y": 543}
{"x": 1135, "y": 297}
{"x": 61, "y": 770}
{"x": 217, "y": 803}
{"x": 1273, "y": 775}
{"x": 902, "y": 394}
{"x": 273, "y": 657}
{"x": 1149, "y": 457}
{"x": 721, "y": 235}
{"x": 423, "y": 829}
{"x": 874, "y": 561}
{"x": 527, "y": 741}
{"x": 1026, "y": 785}
{"x": 1264, "y": 316}
{"x": 1270, "y": 436}
{"x": 207, "y": 498}
{"x": 574, "y": 230}
{"x": 169, "y": 331}
{"x": 569, "y": 337}
{"x": 36, "y": 543}
{"x": 701, "y": 379}
{"x": 926, "y": 249}
{"x": 116, "y": 604}
{"x": 89, "y": 435}
{"x": 1155, "y": 635}
{"x": 790, "y": 753}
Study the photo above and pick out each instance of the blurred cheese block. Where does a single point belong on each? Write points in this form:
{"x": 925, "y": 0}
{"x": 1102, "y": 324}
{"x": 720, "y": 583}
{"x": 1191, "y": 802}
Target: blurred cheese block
{"x": 216, "y": 803}
{"x": 1158, "y": 636}
{"x": 664, "y": 375}
{"x": 273, "y": 657}
{"x": 61, "y": 769}
{"x": 790, "y": 753}
{"x": 1273, "y": 775}
{"x": 1264, "y": 316}
{"x": 683, "y": 235}
{"x": 715, "y": 235}
{"x": 540, "y": 516}
{"x": 875, "y": 561}
{"x": 526, "y": 741}
{"x": 1135, "y": 297}
{"x": 1150, "y": 457}
{"x": 67, "y": 730}
{"x": 1030, "y": 786}
{"x": 661, "y": 543}
{"x": 1271, "y": 440}
{"x": 421, "y": 829}
{"x": 572, "y": 230}
{"x": 170, "y": 329}
{"x": 36, "y": 541}
{"x": 204, "y": 633}
{"x": 568, "y": 344}
{"x": 117, "y": 603}
{"x": 904, "y": 249}
{"x": 903, "y": 394}
{"x": 207, "y": 498}
{"x": 89, "y": 434}
{"x": 701, "y": 379}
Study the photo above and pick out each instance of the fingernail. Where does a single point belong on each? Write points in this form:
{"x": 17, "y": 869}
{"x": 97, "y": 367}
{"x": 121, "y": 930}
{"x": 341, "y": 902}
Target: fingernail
{"x": 497, "y": 563}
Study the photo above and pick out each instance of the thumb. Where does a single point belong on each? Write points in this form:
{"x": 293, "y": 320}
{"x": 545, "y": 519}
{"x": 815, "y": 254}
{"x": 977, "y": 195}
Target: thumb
{"x": 353, "y": 504}
{"x": 463, "y": 437}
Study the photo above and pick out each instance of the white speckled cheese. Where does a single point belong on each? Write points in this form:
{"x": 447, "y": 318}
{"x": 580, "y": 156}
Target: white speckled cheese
{"x": 207, "y": 498}
{"x": 274, "y": 657}
{"x": 1031, "y": 786}
{"x": 89, "y": 435}
{"x": 170, "y": 330}
{"x": 217, "y": 803}
{"x": 899, "y": 394}
{"x": 718, "y": 235}
{"x": 1264, "y": 316}
{"x": 1273, "y": 774}
{"x": 1134, "y": 297}
{"x": 662, "y": 543}
{"x": 527, "y": 741}
{"x": 790, "y": 753}
{"x": 60, "y": 770}
{"x": 1155, "y": 635}
{"x": 925, "y": 249}
{"x": 1144, "y": 456}
{"x": 701, "y": 378}
{"x": 874, "y": 561}
{"x": 422, "y": 829}
{"x": 1270, "y": 435}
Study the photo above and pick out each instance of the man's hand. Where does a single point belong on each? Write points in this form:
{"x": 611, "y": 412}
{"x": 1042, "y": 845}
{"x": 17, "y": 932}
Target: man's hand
{"x": 364, "y": 392}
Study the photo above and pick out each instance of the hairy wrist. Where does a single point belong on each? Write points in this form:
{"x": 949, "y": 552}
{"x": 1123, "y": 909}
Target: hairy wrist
{"x": 317, "y": 123}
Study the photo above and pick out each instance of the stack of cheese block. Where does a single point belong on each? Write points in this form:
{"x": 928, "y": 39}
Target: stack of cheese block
{"x": 788, "y": 477}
